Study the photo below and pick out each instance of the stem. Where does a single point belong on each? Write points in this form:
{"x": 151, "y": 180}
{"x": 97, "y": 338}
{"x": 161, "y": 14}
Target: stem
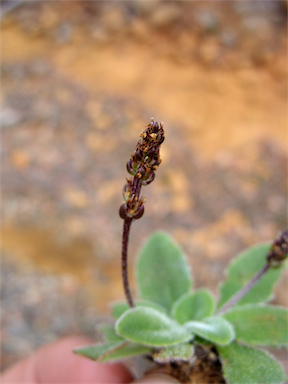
{"x": 125, "y": 240}
{"x": 238, "y": 296}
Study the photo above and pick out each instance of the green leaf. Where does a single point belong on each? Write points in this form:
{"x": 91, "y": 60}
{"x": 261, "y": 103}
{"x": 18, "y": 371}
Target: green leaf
{"x": 112, "y": 351}
{"x": 127, "y": 350}
{"x": 122, "y": 306}
{"x": 178, "y": 352}
{"x": 193, "y": 306}
{"x": 109, "y": 332}
{"x": 98, "y": 350}
{"x": 162, "y": 273}
{"x": 260, "y": 324}
{"x": 242, "y": 269}
{"x": 215, "y": 329}
{"x": 248, "y": 365}
{"x": 150, "y": 327}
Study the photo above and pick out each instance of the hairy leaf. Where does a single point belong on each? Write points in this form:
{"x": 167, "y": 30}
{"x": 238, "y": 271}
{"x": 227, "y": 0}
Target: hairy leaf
{"x": 122, "y": 306}
{"x": 127, "y": 350}
{"x": 242, "y": 269}
{"x": 215, "y": 329}
{"x": 109, "y": 332}
{"x": 178, "y": 352}
{"x": 162, "y": 273}
{"x": 193, "y": 306}
{"x": 150, "y": 327}
{"x": 112, "y": 351}
{"x": 242, "y": 364}
{"x": 260, "y": 324}
{"x": 94, "y": 352}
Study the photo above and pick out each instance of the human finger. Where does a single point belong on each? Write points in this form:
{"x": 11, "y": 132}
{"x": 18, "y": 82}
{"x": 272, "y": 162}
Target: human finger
{"x": 57, "y": 364}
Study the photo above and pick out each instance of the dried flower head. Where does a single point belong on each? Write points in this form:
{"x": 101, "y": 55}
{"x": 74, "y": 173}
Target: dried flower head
{"x": 142, "y": 166}
{"x": 279, "y": 250}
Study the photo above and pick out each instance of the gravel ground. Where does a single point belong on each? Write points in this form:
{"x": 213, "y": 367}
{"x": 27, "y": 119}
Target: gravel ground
{"x": 38, "y": 308}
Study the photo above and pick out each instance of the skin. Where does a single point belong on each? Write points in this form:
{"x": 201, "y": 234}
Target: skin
{"x": 55, "y": 363}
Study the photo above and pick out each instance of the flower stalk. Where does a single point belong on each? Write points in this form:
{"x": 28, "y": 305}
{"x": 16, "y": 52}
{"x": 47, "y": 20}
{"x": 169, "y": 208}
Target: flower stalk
{"x": 141, "y": 166}
{"x": 125, "y": 240}
{"x": 275, "y": 258}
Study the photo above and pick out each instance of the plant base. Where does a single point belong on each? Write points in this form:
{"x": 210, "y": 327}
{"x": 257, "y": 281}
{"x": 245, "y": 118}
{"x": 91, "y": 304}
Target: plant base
{"x": 205, "y": 368}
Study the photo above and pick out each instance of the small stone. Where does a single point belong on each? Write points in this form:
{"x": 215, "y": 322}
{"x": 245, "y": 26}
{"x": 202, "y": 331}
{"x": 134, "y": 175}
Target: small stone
{"x": 77, "y": 198}
{"x": 15, "y": 70}
{"x": 75, "y": 226}
{"x": 97, "y": 142}
{"x": 144, "y": 7}
{"x": 32, "y": 296}
{"x": 262, "y": 55}
{"x": 229, "y": 38}
{"x": 9, "y": 117}
{"x": 256, "y": 7}
{"x": 94, "y": 141}
{"x": 209, "y": 52}
{"x": 39, "y": 67}
{"x": 64, "y": 33}
{"x": 107, "y": 191}
{"x": 259, "y": 25}
{"x": 165, "y": 14}
{"x": 20, "y": 159}
{"x": 63, "y": 95}
{"x": 104, "y": 122}
{"x": 181, "y": 203}
{"x": 276, "y": 203}
{"x": 113, "y": 19}
{"x": 100, "y": 34}
{"x": 69, "y": 285}
{"x": 140, "y": 30}
{"x": 28, "y": 19}
{"x": 207, "y": 20}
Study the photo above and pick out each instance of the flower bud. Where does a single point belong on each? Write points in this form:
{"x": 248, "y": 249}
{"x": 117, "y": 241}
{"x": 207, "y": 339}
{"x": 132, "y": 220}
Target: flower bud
{"x": 153, "y": 162}
{"x": 151, "y": 153}
{"x": 139, "y": 212}
{"x": 123, "y": 211}
{"x": 150, "y": 178}
{"x": 129, "y": 167}
{"x": 155, "y": 127}
{"x": 141, "y": 172}
{"x": 138, "y": 155}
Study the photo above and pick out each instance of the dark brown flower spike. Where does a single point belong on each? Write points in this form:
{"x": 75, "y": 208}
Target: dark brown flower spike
{"x": 141, "y": 166}
{"x": 279, "y": 250}
{"x": 275, "y": 258}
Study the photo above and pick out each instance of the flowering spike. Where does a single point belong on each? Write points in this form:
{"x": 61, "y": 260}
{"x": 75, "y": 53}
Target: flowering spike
{"x": 142, "y": 166}
{"x": 279, "y": 250}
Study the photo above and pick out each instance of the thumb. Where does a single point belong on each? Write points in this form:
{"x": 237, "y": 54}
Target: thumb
{"x": 156, "y": 378}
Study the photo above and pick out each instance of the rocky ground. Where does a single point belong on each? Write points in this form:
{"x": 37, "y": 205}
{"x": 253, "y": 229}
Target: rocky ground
{"x": 79, "y": 84}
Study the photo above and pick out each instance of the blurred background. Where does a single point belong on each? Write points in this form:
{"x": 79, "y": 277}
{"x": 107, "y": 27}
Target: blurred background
{"x": 80, "y": 81}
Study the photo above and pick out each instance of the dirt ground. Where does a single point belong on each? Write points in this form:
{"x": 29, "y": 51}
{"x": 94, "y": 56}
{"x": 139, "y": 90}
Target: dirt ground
{"x": 79, "y": 84}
